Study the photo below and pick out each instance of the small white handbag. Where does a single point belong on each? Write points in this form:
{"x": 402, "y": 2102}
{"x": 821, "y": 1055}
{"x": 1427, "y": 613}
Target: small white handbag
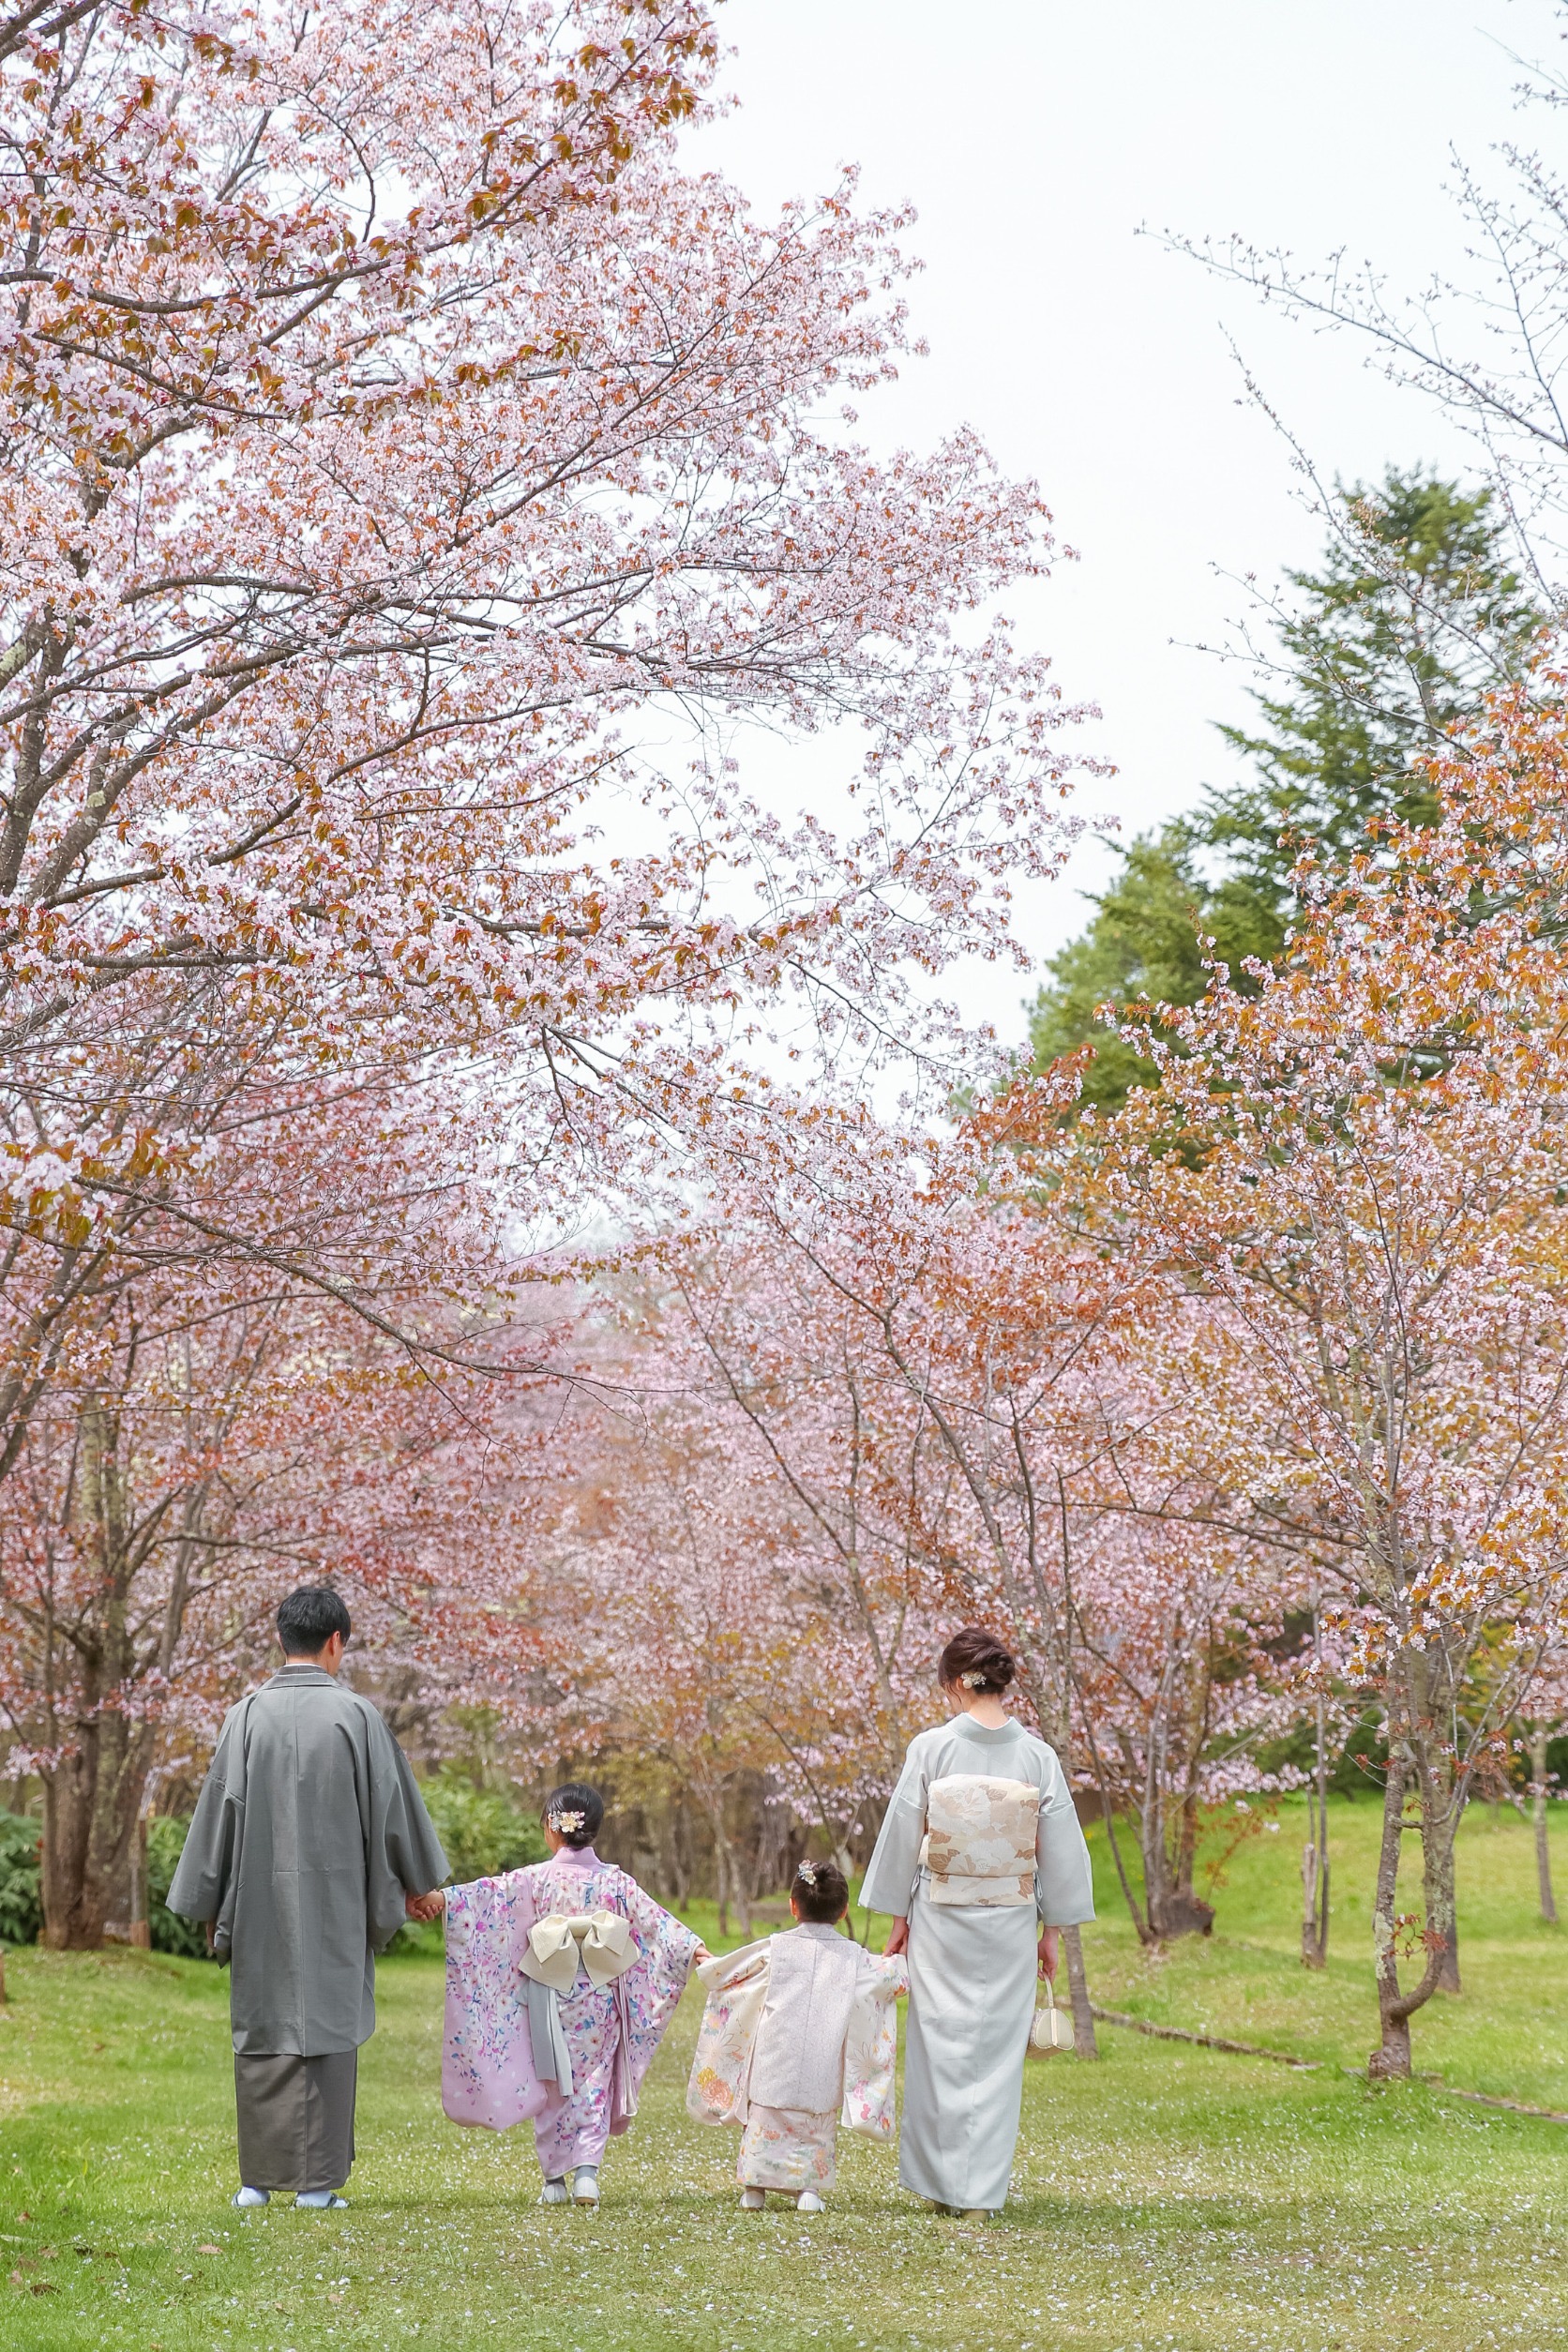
{"x": 1052, "y": 2027}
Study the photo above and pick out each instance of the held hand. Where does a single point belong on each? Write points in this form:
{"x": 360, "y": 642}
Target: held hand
{"x": 1050, "y": 1952}
{"x": 701, "y": 1954}
{"x": 899, "y": 1941}
{"x": 424, "y": 1907}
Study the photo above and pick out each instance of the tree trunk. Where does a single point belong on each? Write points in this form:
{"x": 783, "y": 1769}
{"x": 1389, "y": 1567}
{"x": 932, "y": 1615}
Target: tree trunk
{"x": 1174, "y": 1910}
{"x": 740, "y": 1888}
{"x": 1543, "y": 1848}
{"x": 731, "y": 1878}
{"x": 1315, "y": 1854}
{"x": 93, "y": 1793}
{"x": 1314, "y": 1883}
{"x": 1393, "y": 2059}
{"x": 1085, "y": 2046}
{"x": 1108, "y": 1817}
{"x": 1145, "y": 1932}
{"x": 141, "y": 1924}
{"x": 1060, "y": 1722}
{"x": 91, "y": 1800}
{"x": 1187, "y": 1854}
{"x": 675, "y": 1831}
{"x": 723, "y": 1878}
{"x": 1438, "y": 1887}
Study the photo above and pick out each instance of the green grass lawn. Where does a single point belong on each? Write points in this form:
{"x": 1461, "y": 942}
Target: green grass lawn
{"x": 1170, "y": 2196}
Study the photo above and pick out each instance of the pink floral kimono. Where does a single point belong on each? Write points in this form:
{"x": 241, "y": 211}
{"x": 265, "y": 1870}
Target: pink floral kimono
{"x": 489, "y": 2075}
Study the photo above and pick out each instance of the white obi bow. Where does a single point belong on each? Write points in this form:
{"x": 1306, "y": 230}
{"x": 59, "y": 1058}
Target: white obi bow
{"x": 599, "y": 1942}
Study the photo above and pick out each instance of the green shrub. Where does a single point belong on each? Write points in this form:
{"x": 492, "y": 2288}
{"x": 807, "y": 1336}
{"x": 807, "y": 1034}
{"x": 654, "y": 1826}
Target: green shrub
{"x": 22, "y": 1900}
{"x": 187, "y": 1939}
{"x": 482, "y": 1831}
{"x": 21, "y": 1894}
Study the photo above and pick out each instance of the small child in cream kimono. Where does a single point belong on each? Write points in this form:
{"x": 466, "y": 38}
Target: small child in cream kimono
{"x": 800, "y": 2031}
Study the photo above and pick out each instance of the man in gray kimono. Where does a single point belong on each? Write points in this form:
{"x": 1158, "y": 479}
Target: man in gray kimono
{"x": 309, "y": 1846}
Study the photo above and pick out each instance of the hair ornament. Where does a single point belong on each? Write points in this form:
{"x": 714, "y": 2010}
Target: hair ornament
{"x": 972, "y": 1681}
{"x": 566, "y": 1821}
{"x": 806, "y": 1870}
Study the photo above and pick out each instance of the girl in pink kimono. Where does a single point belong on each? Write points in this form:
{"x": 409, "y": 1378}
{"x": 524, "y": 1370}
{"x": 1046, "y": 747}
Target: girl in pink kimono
{"x": 800, "y": 2033}
{"x": 561, "y": 1979}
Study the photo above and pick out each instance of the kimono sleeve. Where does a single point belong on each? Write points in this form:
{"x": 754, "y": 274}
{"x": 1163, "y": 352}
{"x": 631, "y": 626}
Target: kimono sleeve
{"x": 487, "y": 2075}
{"x": 1064, "y": 1882}
{"x": 404, "y": 1855}
{"x": 871, "y": 2049}
{"x": 737, "y": 1988}
{"x": 651, "y": 1990}
{"x": 203, "y": 1876}
{"x": 889, "y": 1881}
{"x": 667, "y": 1945}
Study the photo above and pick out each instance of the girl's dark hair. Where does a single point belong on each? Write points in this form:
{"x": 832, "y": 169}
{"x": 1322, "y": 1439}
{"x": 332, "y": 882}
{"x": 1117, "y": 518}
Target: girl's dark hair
{"x": 821, "y": 1892}
{"x": 973, "y": 1650}
{"x": 575, "y": 1797}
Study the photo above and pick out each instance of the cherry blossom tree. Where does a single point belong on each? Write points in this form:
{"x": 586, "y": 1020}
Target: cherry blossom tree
{"x": 734, "y": 1613}
{"x": 1540, "y": 1723}
{"x": 906, "y": 1367}
{"x": 401, "y": 452}
{"x": 1174, "y": 1687}
{"x": 413, "y": 477}
{"x": 218, "y": 1428}
{"x": 1355, "y": 1174}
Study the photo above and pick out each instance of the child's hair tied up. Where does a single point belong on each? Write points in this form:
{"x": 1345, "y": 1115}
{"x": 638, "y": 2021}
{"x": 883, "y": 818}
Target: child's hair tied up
{"x": 821, "y": 1892}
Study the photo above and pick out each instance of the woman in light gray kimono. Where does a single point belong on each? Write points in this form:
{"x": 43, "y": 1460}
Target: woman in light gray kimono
{"x": 980, "y": 1860}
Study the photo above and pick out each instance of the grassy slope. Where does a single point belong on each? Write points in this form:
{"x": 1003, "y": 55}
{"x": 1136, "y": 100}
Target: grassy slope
{"x": 1168, "y": 2197}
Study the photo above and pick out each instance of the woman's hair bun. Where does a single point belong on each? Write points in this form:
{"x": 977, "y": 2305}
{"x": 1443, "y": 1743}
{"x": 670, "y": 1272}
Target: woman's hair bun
{"x": 978, "y": 1660}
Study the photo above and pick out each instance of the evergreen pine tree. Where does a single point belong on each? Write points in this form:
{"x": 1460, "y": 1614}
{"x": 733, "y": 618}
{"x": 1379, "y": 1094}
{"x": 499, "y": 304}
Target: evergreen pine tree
{"x": 1383, "y": 653}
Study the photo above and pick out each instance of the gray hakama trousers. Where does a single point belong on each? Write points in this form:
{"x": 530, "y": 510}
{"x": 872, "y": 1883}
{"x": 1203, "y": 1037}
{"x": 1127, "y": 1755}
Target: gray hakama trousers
{"x": 296, "y": 2120}
{"x": 973, "y": 1973}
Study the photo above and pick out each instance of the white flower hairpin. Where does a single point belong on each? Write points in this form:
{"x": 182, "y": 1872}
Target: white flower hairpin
{"x": 565, "y": 1820}
{"x": 806, "y": 1870}
{"x": 972, "y": 1681}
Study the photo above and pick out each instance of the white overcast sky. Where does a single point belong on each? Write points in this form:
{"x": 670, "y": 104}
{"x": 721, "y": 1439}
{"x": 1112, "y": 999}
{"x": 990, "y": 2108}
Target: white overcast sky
{"x": 1034, "y": 137}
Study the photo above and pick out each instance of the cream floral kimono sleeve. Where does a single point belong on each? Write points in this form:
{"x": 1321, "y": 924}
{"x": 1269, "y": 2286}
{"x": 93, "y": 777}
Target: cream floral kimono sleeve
{"x": 737, "y": 1988}
{"x": 871, "y": 2050}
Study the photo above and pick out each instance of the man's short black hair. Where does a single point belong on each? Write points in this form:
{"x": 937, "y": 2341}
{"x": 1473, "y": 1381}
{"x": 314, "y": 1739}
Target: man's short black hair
{"x": 308, "y": 1619}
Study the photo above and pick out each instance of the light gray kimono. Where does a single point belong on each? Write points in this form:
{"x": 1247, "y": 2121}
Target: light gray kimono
{"x": 972, "y": 1968}
{"x": 307, "y": 1833}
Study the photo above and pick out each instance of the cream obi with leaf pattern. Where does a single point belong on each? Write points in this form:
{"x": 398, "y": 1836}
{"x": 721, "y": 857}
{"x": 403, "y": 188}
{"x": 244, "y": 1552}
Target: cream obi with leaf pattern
{"x": 979, "y": 1842}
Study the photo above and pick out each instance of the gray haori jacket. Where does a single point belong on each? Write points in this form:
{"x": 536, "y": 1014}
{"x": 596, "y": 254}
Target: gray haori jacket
{"x": 308, "y": 1831}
